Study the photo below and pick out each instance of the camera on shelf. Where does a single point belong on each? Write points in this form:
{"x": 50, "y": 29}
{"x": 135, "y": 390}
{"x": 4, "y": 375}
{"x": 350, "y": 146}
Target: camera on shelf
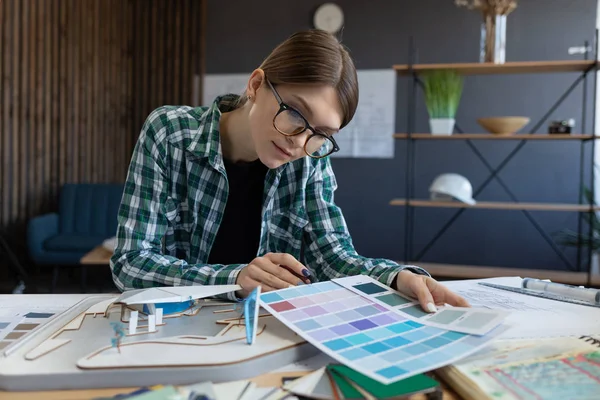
{"x": 564, "y": 126}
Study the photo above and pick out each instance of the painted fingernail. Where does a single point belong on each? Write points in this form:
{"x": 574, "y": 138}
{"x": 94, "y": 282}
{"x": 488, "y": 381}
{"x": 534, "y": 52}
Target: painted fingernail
{"x": 305, "y": 272}
{"x": 431, "y": 307}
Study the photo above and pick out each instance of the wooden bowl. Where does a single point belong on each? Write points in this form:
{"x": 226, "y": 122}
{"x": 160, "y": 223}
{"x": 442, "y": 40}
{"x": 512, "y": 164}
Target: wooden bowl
{"x": 503, "y": 125}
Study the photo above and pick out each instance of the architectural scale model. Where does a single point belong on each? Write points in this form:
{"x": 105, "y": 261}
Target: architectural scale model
{"x": 171, "y": 335}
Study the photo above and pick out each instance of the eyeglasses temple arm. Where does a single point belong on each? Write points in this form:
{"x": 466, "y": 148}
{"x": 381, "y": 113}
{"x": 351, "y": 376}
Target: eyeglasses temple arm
{"x": 279, "y": 99}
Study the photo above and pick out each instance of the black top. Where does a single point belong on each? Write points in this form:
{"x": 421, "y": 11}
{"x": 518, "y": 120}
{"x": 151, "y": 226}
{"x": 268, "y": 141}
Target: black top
{"x": 238, "y": 236}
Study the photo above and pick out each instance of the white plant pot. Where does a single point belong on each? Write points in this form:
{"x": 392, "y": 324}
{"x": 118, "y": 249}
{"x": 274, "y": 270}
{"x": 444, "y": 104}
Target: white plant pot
{"x": 441, "y": 126}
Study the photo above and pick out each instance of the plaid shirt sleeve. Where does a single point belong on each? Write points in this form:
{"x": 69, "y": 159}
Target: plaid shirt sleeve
{"x": 138, "y": 260}
{"x": 328, "y": 243}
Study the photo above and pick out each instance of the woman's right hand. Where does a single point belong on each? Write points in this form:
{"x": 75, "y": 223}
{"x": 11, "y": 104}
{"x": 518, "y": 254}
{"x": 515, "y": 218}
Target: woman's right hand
{"x": 270, "y": 272}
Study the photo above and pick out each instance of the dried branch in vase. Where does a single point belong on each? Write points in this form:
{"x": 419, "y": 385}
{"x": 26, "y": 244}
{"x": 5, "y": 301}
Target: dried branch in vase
{"x": 489, "y": 7}
{"x": 470, "y": 4}
{"x": 494, "y": 14}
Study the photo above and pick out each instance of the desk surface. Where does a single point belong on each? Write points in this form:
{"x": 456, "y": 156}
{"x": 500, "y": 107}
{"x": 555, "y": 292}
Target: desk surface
{"x": 267, "y": 380}
{"x": 67, "y": 300}
{"x": 99, "y": 256}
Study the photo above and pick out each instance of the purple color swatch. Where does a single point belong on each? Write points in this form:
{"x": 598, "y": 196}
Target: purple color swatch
{"x": 328, "y": 320}
{"x": 350, "y": 315}
{"x": 323, "y": 334}
{"x": 363, "y": 324}
{"x": 380, "y": 307}
{"x": 334, "y": 307}
{"x": 356, "y": 302}
{"x": 383, "y": 319}
{"x": 295, "y": 315}
{"x": 344, "y": 329}
{"x": 396, "y": 317}
{"x": 314, "y": 311}
{"x": 367, "y": 311}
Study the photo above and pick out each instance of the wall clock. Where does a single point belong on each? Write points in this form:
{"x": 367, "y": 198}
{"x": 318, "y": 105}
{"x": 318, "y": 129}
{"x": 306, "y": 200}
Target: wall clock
{"x": 329, "y": 17}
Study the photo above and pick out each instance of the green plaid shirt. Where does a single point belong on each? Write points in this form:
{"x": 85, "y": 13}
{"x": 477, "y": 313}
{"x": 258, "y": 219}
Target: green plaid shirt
{"x": 175, "y": 195}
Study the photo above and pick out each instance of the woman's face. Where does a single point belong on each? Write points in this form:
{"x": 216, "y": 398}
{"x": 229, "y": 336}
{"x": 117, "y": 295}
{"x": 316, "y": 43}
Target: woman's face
{"x": 319, "y": 105}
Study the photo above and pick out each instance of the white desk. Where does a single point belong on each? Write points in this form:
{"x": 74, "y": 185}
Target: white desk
{"x": 56, "y": 302}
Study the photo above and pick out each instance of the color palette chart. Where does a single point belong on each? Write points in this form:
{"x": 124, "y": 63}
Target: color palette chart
{"x": 476, "y": 321}
{"x": 13, "y": 326}
{"x": 345, "y": 320}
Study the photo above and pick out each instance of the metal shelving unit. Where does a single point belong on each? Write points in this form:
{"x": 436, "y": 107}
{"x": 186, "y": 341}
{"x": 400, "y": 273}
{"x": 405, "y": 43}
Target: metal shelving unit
{"x": 584, "y": 68}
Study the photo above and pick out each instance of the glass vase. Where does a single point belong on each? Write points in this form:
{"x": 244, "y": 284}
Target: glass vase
{"x": 493, "y": 39}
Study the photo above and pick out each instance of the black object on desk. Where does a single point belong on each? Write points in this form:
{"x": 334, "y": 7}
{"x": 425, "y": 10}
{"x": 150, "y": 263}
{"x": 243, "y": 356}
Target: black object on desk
{"x": 14, "y": 265}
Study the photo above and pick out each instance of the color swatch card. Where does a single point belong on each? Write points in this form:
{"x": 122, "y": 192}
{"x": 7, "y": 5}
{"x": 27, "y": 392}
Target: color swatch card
{"x": 358, "y": 331}
{"x": 19, "y": 324}
{"x": 476, "y": 321}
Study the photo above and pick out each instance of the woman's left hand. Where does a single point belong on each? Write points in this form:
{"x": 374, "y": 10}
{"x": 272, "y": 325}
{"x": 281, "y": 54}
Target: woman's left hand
{"x": 427, "y": 290}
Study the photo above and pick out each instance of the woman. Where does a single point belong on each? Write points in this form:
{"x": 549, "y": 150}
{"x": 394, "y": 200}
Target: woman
{"x": 235, "y": 192}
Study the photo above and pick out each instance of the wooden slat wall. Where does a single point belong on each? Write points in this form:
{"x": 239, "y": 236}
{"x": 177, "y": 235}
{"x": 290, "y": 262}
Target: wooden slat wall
{"x": 77, "y": 80}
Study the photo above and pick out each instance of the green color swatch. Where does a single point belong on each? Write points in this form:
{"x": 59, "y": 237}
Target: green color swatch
{"x": 393, "y": 299}
{"x": 414, "y": 384}
{"x": 476, "y": 320}
{"x": 447, "y": 316}
{"x": 370, "y": 288}
{"x": 416, "y": 311}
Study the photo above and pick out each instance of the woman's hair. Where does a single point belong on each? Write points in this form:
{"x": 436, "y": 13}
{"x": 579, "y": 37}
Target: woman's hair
{"x": 315, "y": 57}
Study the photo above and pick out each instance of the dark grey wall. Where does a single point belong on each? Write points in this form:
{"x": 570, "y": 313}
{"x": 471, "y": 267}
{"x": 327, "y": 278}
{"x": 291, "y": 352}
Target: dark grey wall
{"x": 241, "y": 33}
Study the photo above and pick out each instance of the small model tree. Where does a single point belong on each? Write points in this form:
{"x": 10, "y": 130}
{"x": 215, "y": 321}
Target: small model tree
{"x": 119, "y": 330}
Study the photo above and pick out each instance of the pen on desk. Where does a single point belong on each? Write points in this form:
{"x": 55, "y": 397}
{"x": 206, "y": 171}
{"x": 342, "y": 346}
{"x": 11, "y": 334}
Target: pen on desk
{"x": 574, "y": 292}
{"x": 310, "y": 277}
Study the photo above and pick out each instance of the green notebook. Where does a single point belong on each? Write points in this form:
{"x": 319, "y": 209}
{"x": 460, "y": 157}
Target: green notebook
{"x": 416, "y": 384}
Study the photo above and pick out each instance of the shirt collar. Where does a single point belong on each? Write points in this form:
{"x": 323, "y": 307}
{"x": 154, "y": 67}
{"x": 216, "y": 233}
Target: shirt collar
{"x": 206, "y": 143}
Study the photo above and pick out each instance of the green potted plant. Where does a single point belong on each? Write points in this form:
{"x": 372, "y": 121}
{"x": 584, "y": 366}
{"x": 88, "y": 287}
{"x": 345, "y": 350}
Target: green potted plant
{"x": 568, "y": 237}
{"x": 442, "y": 91}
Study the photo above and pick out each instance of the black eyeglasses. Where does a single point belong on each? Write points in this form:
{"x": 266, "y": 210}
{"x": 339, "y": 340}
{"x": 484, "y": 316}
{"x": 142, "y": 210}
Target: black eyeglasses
{"x": 290, "y": 122}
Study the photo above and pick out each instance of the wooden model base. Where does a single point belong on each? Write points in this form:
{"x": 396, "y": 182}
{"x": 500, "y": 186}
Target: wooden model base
{"x": 205, "y": 342}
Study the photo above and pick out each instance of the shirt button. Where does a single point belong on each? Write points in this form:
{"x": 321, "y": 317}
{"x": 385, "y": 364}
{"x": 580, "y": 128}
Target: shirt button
{"x": 178, "y": 218}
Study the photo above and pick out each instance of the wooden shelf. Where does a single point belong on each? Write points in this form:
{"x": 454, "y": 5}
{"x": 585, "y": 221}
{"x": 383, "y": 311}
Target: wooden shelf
{"x": 489, "y": 136}
{"x": 482, "y": 272}
{"x": 495, "y": 205}
{"x": 521, "y": 67}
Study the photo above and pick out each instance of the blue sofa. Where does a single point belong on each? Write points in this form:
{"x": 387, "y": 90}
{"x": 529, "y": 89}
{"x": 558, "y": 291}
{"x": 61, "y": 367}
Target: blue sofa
{"x": 87, "y": 215}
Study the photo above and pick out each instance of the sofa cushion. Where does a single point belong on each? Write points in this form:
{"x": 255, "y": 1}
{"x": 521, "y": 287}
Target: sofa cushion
{"x": 90, "y": 208}
{"x": 73, "y": 243}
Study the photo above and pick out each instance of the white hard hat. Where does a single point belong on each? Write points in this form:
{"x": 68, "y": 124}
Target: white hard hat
{"x": 447, "y": 187}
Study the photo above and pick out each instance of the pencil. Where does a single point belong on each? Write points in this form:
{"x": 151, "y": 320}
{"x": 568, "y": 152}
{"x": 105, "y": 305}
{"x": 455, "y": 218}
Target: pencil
{"x": 310, "y": 277}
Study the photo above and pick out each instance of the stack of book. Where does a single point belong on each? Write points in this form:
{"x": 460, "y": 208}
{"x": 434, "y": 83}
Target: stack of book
{"x": 338, "y": 382}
